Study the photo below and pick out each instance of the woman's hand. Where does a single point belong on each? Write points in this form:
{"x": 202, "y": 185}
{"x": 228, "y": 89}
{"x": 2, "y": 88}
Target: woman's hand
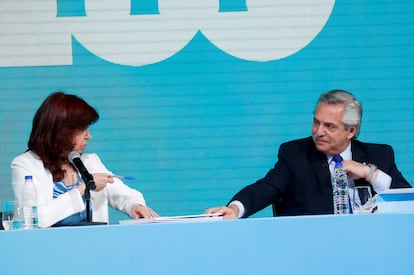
{"x": 101, "y": 180}
{"x": 142, "y": 211}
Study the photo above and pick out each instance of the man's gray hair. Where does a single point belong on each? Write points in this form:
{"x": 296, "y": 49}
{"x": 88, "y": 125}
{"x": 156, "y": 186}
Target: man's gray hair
{"x": 353, "y": 108}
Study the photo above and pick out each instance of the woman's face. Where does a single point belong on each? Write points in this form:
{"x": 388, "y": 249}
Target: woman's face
{"x": 80, "y": 140}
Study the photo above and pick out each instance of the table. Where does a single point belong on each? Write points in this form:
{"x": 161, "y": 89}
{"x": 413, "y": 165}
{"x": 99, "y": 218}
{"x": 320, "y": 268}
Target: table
{"x": 324, "y": 244}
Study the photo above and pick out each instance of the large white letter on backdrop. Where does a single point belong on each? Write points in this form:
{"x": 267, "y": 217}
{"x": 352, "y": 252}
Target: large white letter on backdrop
{"x": 32, "y": 35}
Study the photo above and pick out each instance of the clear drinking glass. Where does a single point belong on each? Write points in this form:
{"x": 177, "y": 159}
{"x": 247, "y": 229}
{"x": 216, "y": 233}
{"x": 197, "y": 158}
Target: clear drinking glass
{"x": 18, "y": 218}
{"x": 363, "y": 202}
{"x": 7, "y": 215}
{"x": 12, "y": 217}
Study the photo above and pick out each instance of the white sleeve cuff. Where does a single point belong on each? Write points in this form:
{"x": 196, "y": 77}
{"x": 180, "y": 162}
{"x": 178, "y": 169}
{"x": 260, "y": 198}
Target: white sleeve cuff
{"x": 382, "y": 182}
{"x": 240, "y": 206}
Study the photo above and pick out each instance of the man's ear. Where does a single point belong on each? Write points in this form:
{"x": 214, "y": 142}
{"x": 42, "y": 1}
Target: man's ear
{"x": 352, "y": 131}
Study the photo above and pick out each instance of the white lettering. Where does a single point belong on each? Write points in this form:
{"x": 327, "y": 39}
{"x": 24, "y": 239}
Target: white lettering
{"x": 32, "y": 35}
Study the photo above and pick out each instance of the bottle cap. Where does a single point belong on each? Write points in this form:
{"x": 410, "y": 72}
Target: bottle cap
{"x": 28, "y": 177}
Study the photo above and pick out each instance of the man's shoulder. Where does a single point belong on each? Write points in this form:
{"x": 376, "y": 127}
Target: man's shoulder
{"x": 370, "y": 145}
{"x": 298, "y": 142}
{"x": 297, "y": 146}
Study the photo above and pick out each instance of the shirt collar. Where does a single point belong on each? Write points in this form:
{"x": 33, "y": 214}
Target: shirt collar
{"x": 346, "y": 154}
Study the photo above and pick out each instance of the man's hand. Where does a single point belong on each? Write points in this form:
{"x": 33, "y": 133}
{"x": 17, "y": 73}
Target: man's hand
{"x": 228, "y": 212}
{"x": 356, "y": 170}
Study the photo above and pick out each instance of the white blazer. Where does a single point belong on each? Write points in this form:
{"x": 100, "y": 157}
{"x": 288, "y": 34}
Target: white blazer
{"x": 50, "y": 211}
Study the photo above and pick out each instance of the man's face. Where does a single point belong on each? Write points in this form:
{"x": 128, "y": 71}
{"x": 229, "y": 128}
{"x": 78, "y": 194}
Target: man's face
{"x": 328, "y": 131}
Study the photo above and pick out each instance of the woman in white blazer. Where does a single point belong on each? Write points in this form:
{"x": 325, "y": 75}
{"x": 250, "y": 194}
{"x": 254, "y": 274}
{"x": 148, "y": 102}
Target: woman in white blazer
{"x": 60, "y": 126}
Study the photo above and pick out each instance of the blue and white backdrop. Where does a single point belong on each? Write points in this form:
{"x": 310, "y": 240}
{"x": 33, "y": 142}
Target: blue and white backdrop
{"x": 195, "y": 96}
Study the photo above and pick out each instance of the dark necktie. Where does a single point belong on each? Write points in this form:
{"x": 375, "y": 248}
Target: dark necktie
{"x": 338, "y": 160}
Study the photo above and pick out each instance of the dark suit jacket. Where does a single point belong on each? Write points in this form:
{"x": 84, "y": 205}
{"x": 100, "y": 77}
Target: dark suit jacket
{"x": 300, "y": 181}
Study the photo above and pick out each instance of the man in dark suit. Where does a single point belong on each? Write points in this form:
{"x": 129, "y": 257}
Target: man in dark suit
{"x": 300, "y": 181}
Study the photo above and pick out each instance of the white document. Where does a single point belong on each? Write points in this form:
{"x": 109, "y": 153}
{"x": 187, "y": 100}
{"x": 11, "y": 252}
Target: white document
{"x": 187, "y": 218}
{"x": 398, "y": 200}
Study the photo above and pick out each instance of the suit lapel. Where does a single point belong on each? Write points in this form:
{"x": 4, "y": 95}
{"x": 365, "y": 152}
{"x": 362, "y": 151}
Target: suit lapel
{"x": 321, "y": 170}
{"x": 358, "y": 154}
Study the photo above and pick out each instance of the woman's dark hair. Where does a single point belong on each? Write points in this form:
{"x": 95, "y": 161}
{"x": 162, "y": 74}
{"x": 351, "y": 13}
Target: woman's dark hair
{"x": 55, "y": 123}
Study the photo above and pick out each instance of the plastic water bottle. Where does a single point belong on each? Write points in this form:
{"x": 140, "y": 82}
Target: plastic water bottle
{"x": 29, "y": 204}
{"x": 340, "y": 190}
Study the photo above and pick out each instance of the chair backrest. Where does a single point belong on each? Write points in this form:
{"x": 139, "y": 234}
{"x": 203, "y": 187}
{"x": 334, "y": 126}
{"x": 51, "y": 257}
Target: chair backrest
{"x": 277, "y": 208}
{"x": 274, "y": 209}
{"x": 1, "y": 219}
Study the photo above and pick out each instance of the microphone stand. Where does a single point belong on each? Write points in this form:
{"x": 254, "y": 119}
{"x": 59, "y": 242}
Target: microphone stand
{"x": 89, "y": 185}
{"x": 74, "y": 159}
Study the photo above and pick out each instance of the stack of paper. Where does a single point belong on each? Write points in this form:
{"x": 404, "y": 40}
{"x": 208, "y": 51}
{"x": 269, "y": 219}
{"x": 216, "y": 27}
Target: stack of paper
{"x": 187, "y": 218}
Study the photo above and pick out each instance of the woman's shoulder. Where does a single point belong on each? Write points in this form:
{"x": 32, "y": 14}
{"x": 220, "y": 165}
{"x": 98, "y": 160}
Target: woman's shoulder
{"x": 28, "y": 156}
{"x": 93, "y": 162}
{"x": 89, "y": 156}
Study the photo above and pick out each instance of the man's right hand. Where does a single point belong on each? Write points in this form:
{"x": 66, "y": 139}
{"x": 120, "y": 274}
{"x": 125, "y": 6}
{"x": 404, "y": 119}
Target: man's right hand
{"x": 228, "y": 212}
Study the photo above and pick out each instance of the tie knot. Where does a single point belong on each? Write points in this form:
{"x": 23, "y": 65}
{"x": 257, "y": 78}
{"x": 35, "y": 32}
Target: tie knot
{"x": 338, "y": 159}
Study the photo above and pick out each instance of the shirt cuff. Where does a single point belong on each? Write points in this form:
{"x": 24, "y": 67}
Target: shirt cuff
{"x": 382, "y": 182}
{"x": 240, "y": 206}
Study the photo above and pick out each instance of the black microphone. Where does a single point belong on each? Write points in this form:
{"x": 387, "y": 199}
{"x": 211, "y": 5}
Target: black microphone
{"x": 74, "y": 158}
